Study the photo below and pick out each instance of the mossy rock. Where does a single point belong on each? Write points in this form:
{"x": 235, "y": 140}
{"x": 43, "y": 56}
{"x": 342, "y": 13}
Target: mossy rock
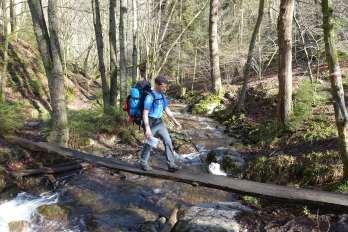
{"x": 208, "y": 105}
{"x": 54, "y": 212}
{"x": 18, "y": 226}
{"x": 126, "y": 135}
{"x": 282, "y": 169}
{"x": 182, "y": 145}
{"x": 5, "y": 155}
{"x": 12, "y": 118}
{"x": 150, "y": 226}
{"x": 317, "y": 168}
{"x": 230, "y": 160}
{"x": 211, "y": 217}
{"x": 88, "y": 198}
{"x": 231, "y": 166}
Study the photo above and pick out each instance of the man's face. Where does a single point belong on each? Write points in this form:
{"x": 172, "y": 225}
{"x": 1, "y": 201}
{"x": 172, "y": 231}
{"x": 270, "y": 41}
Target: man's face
{"x": 162, "y": 87}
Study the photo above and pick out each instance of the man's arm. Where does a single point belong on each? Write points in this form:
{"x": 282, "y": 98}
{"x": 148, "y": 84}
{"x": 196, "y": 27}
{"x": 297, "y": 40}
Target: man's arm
{"x": 169, "y": 113}
{"x": 148, "y": 132}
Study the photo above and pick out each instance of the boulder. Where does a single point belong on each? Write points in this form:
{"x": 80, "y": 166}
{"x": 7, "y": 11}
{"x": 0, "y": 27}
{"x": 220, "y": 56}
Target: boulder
{"x": 19, "y": 226}
{"x": 54, "y": 212}
{"x": 230, "y": 160}
{"x": 342, "y": 224}
{"x": 213, "y": 217}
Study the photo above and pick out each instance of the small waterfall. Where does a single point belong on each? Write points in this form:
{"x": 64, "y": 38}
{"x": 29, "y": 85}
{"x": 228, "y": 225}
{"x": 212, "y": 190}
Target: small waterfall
{"x": 23, "y": 207}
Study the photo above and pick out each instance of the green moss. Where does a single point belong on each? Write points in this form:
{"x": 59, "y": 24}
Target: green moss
{"x": 252, "y": 133}
{"x": 191, "y": 98}
{"x": 345, "y": 78}
{"x": 230, "y": 165}
{"x": 207, "y": 105}
{"x": 342, "y": 55}
{"x": 84, "y": 124}
{"x": 319, "y": 128}
{"x": 5, "y": 155}
{"x": 53, "y": 212}
{"x": 12, "y": 117}
{"x": 253, "y": 201}
{"x": 302, "y": 104}
{"x": 69, "y": 94}
{"x": 323, "y": 168}
{"x": 279, "y": 169}
{"x": 341, "y": 186}
{"x": 127, "y": 135}
{"x": 36, "y": 86}
{"x": 88, "y": 198}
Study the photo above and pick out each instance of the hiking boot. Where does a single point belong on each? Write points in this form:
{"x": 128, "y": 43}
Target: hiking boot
{"x": 173, "y": 168}
{"x": 146, "y": 167}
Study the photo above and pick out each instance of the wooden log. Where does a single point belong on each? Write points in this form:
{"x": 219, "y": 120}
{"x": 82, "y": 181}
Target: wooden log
{"x": 172, "y": 220}
{"x": 298, "y": 195}
{"x": 48, "y": 170}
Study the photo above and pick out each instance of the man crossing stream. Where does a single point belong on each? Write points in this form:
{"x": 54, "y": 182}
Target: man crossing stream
{"x": 154, "y": 106}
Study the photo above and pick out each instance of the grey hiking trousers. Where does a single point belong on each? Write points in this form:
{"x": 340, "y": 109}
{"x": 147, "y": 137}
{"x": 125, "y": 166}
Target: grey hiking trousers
{"x": 158, "y": 130}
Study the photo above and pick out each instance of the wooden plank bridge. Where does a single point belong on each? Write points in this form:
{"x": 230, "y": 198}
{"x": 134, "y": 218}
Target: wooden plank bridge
{"x": 292, "y": 194}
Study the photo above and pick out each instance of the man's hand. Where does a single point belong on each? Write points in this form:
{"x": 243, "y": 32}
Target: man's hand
{"x": 178, "y": 125}
{"x": 148, "y": 133}
{"x": 171, "y": 116}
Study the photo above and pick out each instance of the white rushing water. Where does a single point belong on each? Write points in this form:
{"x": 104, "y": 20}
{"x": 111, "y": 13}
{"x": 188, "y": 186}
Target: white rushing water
{"x": 23, "y": 207}
{"x": 215, "y": 169}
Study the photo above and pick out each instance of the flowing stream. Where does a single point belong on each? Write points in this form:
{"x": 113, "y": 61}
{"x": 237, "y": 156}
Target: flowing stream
{"x": 99, "y": 200}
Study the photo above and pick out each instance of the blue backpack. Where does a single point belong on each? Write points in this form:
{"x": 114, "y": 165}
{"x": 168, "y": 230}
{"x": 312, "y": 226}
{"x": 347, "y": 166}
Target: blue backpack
{"x": 134, "y": 104}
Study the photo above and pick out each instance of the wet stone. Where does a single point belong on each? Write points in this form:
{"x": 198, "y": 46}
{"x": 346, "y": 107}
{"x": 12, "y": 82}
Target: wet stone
{"x": 230, "y": 160}
{"x": 54, "y": 212}
{"x": 297, "y": 224}
{"x": 342, "y": 224}
{"x": 19, "y": 226}
{"x": 214, "y": 217}
{"x": 153, "y": 226}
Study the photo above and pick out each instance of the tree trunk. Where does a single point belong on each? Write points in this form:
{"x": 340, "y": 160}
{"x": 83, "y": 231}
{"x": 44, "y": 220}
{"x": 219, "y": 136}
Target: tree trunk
{"x": 214, "y": 47}
{"x": 241, "y": 26}
{"x": 337, "y": 90}
{"x": 100, "y": 47}
{"x": 194, "y": 70}
{"x": 50, "y": 52}
{"x": 41, "y": 34}
{"x": 301, "y": 32}
{"x": 178, "y": 70}
{"x": 123, "y": 62}
{"x": 113, "y": 52}
{"x": 285, "y": 60}
{"x": 241, "y": 99}
{"x": 51, "y": 57}
{"x": 3, "y": 79}
{"x": 13, "y": 18}
{"x": 135, "y": 42}
{"x": 60, "y": 134}
{"x": 85, "y": 60}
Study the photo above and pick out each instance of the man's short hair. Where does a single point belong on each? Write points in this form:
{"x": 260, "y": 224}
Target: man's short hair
{"x": 159, "y": 80}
